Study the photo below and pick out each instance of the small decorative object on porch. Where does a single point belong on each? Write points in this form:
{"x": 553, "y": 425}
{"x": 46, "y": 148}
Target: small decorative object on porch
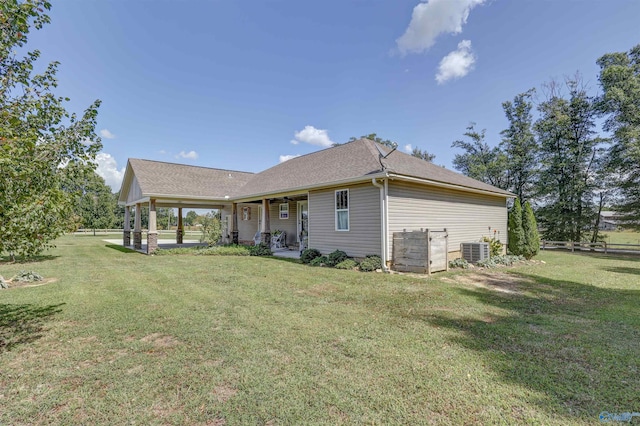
{"x": 278, "y": 239}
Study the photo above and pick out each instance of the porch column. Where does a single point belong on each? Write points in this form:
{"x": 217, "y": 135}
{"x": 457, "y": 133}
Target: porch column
{"x": 152, "y": 233}
{"x": 266, "y": 227}
{"x": 234, "y": 223}
{"x": 126, "y": 231}
{"x": 137, "y": 227}
{"x": 179, "y": 231}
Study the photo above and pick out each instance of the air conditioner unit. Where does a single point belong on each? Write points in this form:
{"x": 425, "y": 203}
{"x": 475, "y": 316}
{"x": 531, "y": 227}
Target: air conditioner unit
{"x": 474, "y": 252}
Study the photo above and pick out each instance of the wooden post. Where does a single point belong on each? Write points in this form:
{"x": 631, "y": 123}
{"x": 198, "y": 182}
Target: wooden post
{"x": 180, "y": 230}
{"x": 126, "y": 232}
{"x": 234, "y": 223}
{"x": 266, "y": 227}
{"x": 152, "y": 233}
{"x": 137, "y": 227}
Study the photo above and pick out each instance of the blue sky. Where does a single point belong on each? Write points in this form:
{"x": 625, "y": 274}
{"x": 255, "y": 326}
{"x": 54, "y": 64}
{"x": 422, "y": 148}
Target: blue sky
{"x": 242, "y": 85}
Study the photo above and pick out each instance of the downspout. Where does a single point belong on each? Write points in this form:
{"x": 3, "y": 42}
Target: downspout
{"x": 383, "y": 223}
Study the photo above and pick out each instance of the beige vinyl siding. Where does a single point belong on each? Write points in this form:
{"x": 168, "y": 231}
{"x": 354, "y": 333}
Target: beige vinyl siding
{"x": 287, "y": 225}
{"x": 135, "y": 193}
{"x": 466, "y": 216}
{"x": 247, "y": 228}
{"x": 363, "y": 236}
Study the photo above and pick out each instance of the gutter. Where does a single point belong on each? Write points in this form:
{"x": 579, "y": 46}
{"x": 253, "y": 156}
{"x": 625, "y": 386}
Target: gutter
{"x": 383, "y": 221}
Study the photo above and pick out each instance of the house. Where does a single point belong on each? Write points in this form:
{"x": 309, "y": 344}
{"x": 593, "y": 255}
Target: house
{"x": 351, "y": 197}
{"x": 609, "y": 221}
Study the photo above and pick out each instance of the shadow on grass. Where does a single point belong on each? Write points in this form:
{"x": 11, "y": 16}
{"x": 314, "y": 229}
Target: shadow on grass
{"x": 576, "y": 346}
{"x": 21, "y": 324}
{"x": 631, "y": 257}
{"x": 286, "y": 259}
{"x": 624, "y": 270}
{"x": 32, "y": 259}
{"x": 121, "y": 249}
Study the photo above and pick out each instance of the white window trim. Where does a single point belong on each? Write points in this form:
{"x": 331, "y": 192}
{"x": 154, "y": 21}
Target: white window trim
{"x": 280, "y": 211}
{"x": 335, "y": 207}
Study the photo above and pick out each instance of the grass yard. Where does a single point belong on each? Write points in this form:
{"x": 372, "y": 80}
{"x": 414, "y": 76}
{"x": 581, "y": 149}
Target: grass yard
{"x": 621, "y": 237}
{"x": 123, "y": 338}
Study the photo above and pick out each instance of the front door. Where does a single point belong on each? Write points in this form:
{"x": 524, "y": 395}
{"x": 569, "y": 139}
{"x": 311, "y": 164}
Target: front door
{"x": 303, "y": 222}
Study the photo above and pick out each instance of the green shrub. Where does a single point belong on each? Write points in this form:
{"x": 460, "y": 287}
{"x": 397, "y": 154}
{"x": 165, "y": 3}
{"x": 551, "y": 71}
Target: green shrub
{"x": 371, "y": 263}
{"x": 505, "y": 260}
{"x": 320, "y": 261}
{"x": 336, "y": 257}
{"x": 347, "y": 264}
{"x": 515, "y": 231}
{"x": 260, "y": 250}
{"x": 486, "y": 263}
{"x": 459, "y": 263}
{"x": 309, "y": 254}
{"x": 530, "y": 229}
{"x": 27, "y": 277}
{"x": 495, "y": 246}
{"x": 211, "y": 228}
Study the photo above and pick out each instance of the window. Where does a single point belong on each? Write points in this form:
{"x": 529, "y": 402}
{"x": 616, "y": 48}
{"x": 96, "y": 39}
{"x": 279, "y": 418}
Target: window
{"x": 246, "y": 213}
{"x": 342, "y": 210}
{"x": 284, "y": 211}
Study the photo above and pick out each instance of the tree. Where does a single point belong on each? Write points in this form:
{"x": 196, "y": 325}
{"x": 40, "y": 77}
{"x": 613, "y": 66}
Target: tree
{"x": 569, "y": 152}
{"x": 620, "y": 82}
{"x": 516, "y": 232}
{"x": 211, "y": 228}
{"x": 190, "y": 219}
{"x": 423, "y": 155}
{"x": 374, "y": 137}
{"x": 531, "y": 245}
{"x": 480, "y": 161}
{"x": 519, "y": 145}
{"x": 39, "y": 139}
{"x": 94, "y": 203}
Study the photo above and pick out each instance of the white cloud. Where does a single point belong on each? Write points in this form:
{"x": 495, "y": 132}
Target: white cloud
{"x": 108, "y": 170}
{"x": 432, "y": 18}
{"x": 191, "y": 155}
{"x": 312, "y": 136}
{"x": 105, "y": 133}
{"x": 162, "y": 151}
{"x": 456, "y": 64}
{"x": 408, "y": 148}
{"x": 284, "y": 158}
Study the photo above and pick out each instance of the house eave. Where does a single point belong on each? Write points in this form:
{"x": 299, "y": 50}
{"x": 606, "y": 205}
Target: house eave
{"x": 395, "y": 176}
{"x": 306, "y": 188}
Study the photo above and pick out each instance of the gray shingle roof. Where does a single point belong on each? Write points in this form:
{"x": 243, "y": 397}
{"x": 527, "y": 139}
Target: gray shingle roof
{"x": 352, "y": 160}
{"x": 355, "y": 160}
{"x": 159, "y": 178}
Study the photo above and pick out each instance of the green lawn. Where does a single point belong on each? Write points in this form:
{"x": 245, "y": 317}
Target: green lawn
{"x": 123, "y": 338}
{"x": 621, "y": 237}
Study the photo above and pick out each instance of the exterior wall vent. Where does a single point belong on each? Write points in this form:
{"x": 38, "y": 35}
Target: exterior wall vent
{"x": 474, "y": 252}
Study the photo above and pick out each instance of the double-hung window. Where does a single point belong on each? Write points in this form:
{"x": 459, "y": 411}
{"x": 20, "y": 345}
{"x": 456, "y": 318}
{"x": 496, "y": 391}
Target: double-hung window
{"x": 284, "y": 211}
{"x": 342, "y": 210}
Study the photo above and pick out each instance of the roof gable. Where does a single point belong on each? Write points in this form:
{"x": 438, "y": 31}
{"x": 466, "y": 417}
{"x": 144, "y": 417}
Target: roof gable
{"x": 156, "y": 178}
